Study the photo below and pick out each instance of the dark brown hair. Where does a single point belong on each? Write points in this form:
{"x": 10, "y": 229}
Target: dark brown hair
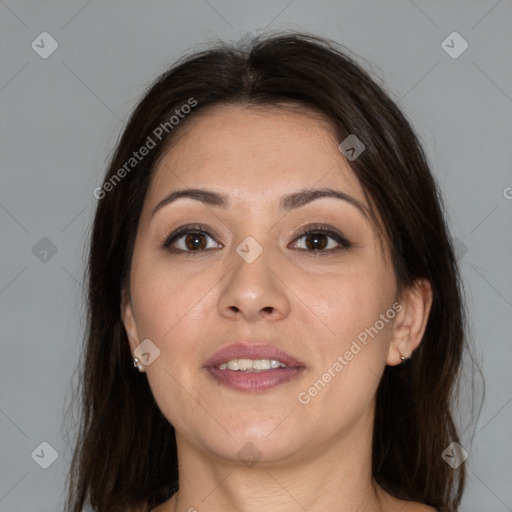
{"x": 125, "y": 455}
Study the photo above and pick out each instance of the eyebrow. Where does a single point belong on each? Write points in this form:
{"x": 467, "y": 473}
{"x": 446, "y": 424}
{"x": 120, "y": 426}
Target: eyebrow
{"x": 288, "y": 202}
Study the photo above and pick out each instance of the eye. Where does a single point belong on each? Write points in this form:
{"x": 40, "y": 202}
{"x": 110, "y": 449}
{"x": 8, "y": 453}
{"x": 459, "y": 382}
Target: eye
{"x": 316, "y": 239}
{"x": 189, "y": 239}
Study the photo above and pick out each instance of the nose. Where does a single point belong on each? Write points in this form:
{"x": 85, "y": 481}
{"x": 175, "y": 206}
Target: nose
{"x": 255, "y": 291}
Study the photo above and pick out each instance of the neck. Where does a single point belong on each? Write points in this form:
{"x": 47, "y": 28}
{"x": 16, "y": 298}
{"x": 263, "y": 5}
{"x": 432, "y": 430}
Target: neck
{"x": 336, "y": 476}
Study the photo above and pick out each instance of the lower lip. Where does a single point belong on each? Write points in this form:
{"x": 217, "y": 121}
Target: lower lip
{"x": 254, "y": 381}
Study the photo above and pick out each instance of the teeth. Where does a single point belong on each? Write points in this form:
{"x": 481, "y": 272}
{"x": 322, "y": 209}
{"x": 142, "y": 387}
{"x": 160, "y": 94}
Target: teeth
{"x": 251, "y": 364}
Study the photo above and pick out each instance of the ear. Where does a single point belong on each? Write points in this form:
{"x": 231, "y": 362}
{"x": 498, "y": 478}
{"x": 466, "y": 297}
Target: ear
{"x": 411, "y": 320}
{"x": 128, "y": 319}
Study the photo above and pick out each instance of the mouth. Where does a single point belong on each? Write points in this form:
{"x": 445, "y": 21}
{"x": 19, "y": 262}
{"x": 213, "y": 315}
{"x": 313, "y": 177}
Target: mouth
{"x": 253, "y": 368}
{"x": 252, "y": 365}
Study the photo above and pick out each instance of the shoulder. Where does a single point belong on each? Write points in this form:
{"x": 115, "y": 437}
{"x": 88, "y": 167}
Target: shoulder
{"x": 166, "y": 506}
{"x": 391, "y": 503}
{"x": 408, "y": 506}
{"x": 416, "y": 506}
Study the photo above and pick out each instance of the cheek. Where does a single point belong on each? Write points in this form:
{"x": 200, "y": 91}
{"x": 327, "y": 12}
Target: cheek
{"x": 352, "y": 302}
{"x": 171, "y": 310}
{"x": 352, "y": 356}
{"x": 350, "y": 363}
{"x": 168, "y": 301}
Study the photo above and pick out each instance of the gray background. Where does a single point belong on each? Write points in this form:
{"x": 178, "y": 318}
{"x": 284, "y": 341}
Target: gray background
{"x": 60, "y": 118}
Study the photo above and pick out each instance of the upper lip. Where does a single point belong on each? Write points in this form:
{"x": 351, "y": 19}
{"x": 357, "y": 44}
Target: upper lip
{"x": 251, "y": 351}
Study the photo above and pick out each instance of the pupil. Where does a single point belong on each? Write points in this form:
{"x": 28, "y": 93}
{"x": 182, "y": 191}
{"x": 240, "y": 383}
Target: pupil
{"x": 194, "y": 241}
{"x": 314, "y": 242}
{"x": 315, "y": 245}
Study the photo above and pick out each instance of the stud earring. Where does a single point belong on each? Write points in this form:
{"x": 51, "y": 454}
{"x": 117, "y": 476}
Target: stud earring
{"x": 137, "y": 364}
{"x": 402, "y": 357}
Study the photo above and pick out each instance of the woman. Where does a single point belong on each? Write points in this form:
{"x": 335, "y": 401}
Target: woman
{"x": 275, "y": 315}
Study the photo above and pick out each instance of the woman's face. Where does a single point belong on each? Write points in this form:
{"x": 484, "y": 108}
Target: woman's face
{"x": 250, "y": 277}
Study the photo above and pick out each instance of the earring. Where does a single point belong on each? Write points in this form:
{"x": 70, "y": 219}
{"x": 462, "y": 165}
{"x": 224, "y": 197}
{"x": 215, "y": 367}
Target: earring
{"x": 402, "y": 357}
{"x": 137, "y": 364}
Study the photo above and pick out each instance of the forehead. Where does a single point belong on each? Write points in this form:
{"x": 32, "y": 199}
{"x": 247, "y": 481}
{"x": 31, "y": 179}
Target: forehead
{"x": 254, "y": 154}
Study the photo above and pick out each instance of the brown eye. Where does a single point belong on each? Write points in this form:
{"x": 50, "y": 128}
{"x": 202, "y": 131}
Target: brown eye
{"x": 189, "y": 239}
{"x": 195, "y": 241}
{"x": 321, "y": 239}
{"x": 316, "y": 241}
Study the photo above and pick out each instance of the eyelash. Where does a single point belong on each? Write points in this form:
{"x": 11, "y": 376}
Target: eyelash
{"x": 322, "y": 229}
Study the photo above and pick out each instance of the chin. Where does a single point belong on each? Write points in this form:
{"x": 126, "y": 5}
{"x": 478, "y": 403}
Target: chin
{"x": 251, "y": 444}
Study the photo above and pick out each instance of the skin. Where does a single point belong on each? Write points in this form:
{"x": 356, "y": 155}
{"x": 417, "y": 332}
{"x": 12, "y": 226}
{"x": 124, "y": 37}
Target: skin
{"x": 311, "y": 304}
